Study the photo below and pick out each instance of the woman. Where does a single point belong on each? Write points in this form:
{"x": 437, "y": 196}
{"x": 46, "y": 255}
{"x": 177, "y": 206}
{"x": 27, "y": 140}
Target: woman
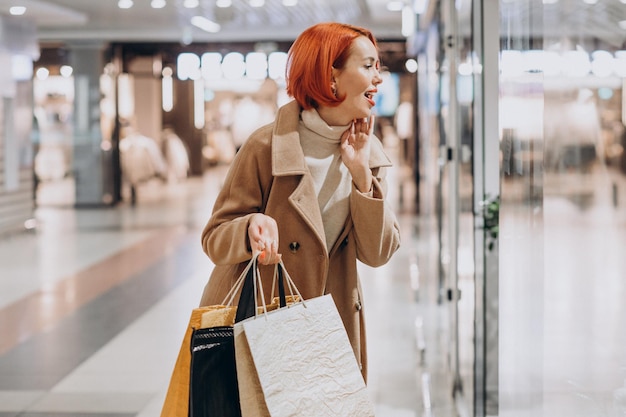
{"x": 309, "y": 188}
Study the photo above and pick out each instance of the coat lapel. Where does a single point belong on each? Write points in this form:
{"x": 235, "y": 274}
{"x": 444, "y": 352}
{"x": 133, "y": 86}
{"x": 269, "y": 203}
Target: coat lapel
{"x": 288, "y": 160}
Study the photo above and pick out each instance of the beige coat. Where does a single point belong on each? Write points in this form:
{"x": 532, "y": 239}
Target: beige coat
{"x": 270, "y": 175}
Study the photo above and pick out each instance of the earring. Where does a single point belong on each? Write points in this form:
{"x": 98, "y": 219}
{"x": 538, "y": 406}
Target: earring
{"x": 334, "y": 90}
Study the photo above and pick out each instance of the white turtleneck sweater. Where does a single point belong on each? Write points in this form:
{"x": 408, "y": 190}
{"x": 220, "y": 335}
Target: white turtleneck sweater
{"x": 321, "y": 144}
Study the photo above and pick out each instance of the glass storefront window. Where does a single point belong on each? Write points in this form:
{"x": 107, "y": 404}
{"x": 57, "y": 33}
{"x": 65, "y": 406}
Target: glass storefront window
{"x": 562, "y": 327}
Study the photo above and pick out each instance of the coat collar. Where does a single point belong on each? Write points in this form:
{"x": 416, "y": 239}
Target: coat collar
{"x": 287, "y": 156}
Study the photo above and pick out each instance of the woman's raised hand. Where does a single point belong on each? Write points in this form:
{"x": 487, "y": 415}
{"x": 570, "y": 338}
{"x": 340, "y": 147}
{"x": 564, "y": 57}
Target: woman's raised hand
{"x": 355, "y": 152}
{"x": 263, "y": 237}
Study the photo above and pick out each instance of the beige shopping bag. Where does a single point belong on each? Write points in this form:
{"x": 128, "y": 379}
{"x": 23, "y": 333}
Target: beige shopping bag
{"x": 297, "y": 361}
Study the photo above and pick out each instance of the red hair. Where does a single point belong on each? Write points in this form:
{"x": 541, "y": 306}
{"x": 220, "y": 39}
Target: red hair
{"x": 311, "y": 58}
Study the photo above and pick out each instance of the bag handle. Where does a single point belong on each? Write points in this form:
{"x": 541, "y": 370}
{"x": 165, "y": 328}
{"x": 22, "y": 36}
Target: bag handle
{"x": 282, "y": 276}
{"x": 291, "y": 284}
{"x": 251, "y": 286}
{"x": 279, "y": 272}
{"x": 230, "y": 296}
{"x": 247, "y": 300}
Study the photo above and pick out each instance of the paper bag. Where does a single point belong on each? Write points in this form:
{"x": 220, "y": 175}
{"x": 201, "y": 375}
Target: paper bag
{"x": 297, "y": 361}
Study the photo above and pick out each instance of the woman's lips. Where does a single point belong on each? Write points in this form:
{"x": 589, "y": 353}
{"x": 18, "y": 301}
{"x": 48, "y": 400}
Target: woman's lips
{"x": 369, "y": 95}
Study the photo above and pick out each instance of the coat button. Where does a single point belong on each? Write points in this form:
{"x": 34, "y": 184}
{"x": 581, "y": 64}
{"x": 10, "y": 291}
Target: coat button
{"x": 294, "y": 246}
{"x": 358, "y": 306}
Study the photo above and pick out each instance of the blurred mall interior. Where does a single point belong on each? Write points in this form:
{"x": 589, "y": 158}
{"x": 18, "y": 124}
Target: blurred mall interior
{"x": 506, "y": 122}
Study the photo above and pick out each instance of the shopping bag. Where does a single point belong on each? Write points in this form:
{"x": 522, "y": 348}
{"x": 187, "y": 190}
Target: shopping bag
{"x": 213, "y": 389}
{"x": 176, "y": 402}
{"x": 297, "y": 361}
{"x": 204, "y": 380}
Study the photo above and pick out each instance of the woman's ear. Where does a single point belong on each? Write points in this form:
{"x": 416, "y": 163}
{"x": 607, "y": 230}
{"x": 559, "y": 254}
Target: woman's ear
{"x": 333, "y": 80}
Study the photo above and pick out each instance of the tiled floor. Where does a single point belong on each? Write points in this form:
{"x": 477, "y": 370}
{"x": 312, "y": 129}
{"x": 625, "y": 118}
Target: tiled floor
{"x": 93, "y": 306}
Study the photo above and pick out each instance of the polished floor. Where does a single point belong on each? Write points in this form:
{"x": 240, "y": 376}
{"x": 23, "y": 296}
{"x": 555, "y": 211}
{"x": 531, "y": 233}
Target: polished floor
{"x": 94, "y": 304}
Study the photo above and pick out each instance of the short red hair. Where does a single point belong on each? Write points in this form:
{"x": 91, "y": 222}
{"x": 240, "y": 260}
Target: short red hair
{"x": 311, "y": 58}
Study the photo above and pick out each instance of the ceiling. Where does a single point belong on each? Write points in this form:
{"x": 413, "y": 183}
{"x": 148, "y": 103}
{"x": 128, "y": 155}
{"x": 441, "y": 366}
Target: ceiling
{"x": 577, "y": 21}
{"x": 590, "y": 23}
{"x": 63, "y": 20}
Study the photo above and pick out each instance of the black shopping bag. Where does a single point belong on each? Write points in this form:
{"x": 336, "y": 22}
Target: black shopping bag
{"x": 213, "y": 388}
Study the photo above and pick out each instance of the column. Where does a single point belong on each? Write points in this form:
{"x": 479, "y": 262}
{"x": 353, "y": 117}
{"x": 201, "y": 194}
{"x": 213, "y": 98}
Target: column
{"x": 94, "y": 162}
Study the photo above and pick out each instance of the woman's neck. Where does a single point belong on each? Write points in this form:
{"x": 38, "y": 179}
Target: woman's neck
{"x": 332, "y": 116}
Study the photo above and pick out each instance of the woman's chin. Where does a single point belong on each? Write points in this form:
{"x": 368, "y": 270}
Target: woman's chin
{"x": 362, "y": 113}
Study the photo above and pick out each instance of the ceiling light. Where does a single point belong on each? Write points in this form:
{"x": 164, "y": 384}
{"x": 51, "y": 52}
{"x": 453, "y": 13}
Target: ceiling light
{"x": 205, "y": 24}
{"x": 199, "y": 118}
{"x": 256, "y": 65}
{"x": 167, "y": 88}
{"x": 395, "y": 5}
{"x": 409, "y": 22}
{"x": 552, "y": 63}
{"x": 291, "y": 3}
{"x": 191, "y": 4}
{"x": 17, "y": 10}
{"x": 622, "y": 24}
{"x": 157, "y": 4}
{"x": 276, "y": 65}
{"x": 576, "y": 63}
{"x": 511, "y": 63}
{"x": 223, "y": 3}
{"x": 602, "y": 63}
{"x": 590, "y": 1}
{"x": 257, "y": 3}
{"x": 465, "y": 68}
{"x": 125, "y": 4}
{"x": 66, "y": 71}
{"x": 188, "y": 66}
{"x": 42, "y": 73}
{"x": 22, "y": 67}
{"x": 211, "y": 65}
{"x": 420, "y": 6}
{"x": 233, "y": 66}
{"x": 411, "y": 65}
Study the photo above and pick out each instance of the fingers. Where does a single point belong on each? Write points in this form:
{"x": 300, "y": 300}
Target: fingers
{"x": 269, "y": 252}
{"x": 263, "y": 237}
{"x": 371, "y": 125}
{"x": 359, "y": 126}
{"x": 365, "y": 126}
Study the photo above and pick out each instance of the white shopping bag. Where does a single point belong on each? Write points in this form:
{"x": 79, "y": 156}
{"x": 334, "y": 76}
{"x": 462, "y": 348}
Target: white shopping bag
{"x": 297, "y": 361}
